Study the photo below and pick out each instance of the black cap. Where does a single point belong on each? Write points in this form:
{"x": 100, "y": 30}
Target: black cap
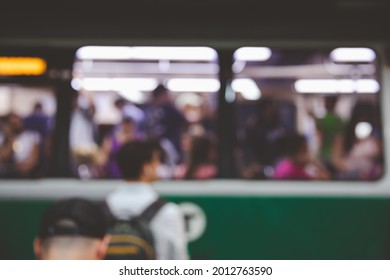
{"x": 73, "y": 217}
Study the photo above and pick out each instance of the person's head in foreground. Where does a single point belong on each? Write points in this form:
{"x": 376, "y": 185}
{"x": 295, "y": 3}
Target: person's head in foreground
{"x": 72, "y": 229}
{"x": 139, "y": 160}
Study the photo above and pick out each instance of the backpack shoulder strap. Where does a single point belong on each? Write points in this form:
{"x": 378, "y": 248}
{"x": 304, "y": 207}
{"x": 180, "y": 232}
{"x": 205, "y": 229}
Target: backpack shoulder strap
{"x": 150, "y": 211}
{"x": 108, "y": 216}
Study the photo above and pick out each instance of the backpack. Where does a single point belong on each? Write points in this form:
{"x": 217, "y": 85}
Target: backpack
{"x": 132, "y": 239}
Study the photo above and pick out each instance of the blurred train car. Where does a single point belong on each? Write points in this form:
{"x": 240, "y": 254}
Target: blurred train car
{"x": 242, "y": 75}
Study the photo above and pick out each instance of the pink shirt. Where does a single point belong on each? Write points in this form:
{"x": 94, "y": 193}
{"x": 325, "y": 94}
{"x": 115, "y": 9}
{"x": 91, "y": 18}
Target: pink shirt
{"x": 288, "y": 170}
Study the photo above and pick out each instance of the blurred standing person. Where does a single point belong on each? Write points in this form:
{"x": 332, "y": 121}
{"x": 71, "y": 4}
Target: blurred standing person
{"x": 259, "y": 149}
{"x": 130, "y": 111}
{"x": 124, "y": 133}
{"x": 358, "y": 153}
{"x": 330, "y": 128}
{"x": 38, "y": 121}
{"x": 43, "y": 124}
{"x": 19, "y": 149}
{"x": 82, "y": 134}
{"x": 296, "y": 161}
{"x": 200, "y": 160}
{"x": 163, "y": 120}
{"x": 138, "y": 162}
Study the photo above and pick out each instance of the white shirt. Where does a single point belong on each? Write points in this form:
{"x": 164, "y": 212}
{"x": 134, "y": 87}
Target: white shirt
{"x": 81, "y": 131}
{"x": 167, "y": 226}
{"x": 24, "y": 144}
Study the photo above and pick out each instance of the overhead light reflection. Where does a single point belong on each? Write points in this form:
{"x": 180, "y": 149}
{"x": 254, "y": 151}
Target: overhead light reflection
{"x": 336, "y": 86}
{"x": 252, "y": 54}
{"x": 114, "y": 84}
{"x": 247, "y": 87}
{"x": 133, "y": 96}
{"x": 353, "y": 55}
{"x": 193, "y": 85}
{"x": 147, "y": 53}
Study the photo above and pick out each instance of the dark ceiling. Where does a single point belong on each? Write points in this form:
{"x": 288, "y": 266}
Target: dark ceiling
{"x": 199, "y": 21}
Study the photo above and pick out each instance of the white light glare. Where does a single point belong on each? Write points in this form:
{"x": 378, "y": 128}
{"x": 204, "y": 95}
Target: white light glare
{"x": 147, "y": 53}
{"x": 133, "y": 96}
{"x": 353, "y": 55}
{"x": 252, "y": 54}
{"x": 193, "y": 85}
{"x": 363, "y": 130}
{"x": 114, "y": 84}
{"x": 247, "y": 87}
{"x": 336, "y": 86}
{"x": 175, "y": 53}
{"x": 95, "y": 52}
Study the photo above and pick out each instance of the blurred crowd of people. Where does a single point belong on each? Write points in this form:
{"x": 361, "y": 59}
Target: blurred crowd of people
{"x": 270, "y": 146}
{"x": 186, "y": 135}
{"x": 346, "y": 150}
{"x": 25, "y": 144}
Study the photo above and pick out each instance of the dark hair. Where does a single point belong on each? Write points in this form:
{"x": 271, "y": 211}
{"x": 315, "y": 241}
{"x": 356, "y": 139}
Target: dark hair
{"x": 159, "y": 91}
{"x": 199, "y": 154}
{"x": 84, "y": 217}
{"x": 119, "y": 102}
{"x": 38, "y": 106}
{"x": 291, "y": 144}
{"x": 132, "y": 156}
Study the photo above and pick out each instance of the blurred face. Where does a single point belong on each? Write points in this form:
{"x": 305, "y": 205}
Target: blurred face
{"x": 186, "y": 142}
{"x": 128, "y": 127}
{"x": 15, "y": 123}
{"x": 303, "y": 156}
{"x": 151, "y": 168}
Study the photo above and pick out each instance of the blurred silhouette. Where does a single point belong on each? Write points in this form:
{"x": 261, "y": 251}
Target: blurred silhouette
{"x": 329, "y": 128}
{"x": 163, "y": 120}
{"x": 358, "y": 153}
{"x": 130, "y": 111}
{"x": 43, "y": 124}
{"x": 124, "y": 133}
{"x": 82, "y": 136}
{"x": 296, "y": 161}
{"x": 19, "y": 149}
{"x": 199, "y": 160}
{"x": 259, "y": 149}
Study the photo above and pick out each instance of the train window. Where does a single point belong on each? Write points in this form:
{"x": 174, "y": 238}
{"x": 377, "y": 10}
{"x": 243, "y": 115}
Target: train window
{"x": 26, "y": 130}
{"x": 307, "y": 114}
{"x": 128, "y": 93}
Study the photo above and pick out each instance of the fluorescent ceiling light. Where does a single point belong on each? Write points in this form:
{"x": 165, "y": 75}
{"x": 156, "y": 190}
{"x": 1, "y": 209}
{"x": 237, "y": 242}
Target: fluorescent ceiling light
{"x": 193, "y": 85}
{"x": 353, "y": 55}
{"x": 133, "y": 96}
{"x": 143, "y": 84}
{"x": 252, "y": 54}
{"x": 336, "y": 86}
{"x": 174, "y": 53}
{"x": 363, "y": 130}
{"x": 115, "y": 84}
{"x": 247, "y": 87}
{"x": 147, "y": 53}
{"x": 109, "y": 53}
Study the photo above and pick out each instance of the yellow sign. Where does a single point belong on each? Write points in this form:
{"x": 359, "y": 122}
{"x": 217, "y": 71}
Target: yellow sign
{"x": 21, "y": 66}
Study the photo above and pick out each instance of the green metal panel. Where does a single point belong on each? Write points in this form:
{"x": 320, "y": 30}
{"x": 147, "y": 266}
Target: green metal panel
{"x": 250, "y": 228}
